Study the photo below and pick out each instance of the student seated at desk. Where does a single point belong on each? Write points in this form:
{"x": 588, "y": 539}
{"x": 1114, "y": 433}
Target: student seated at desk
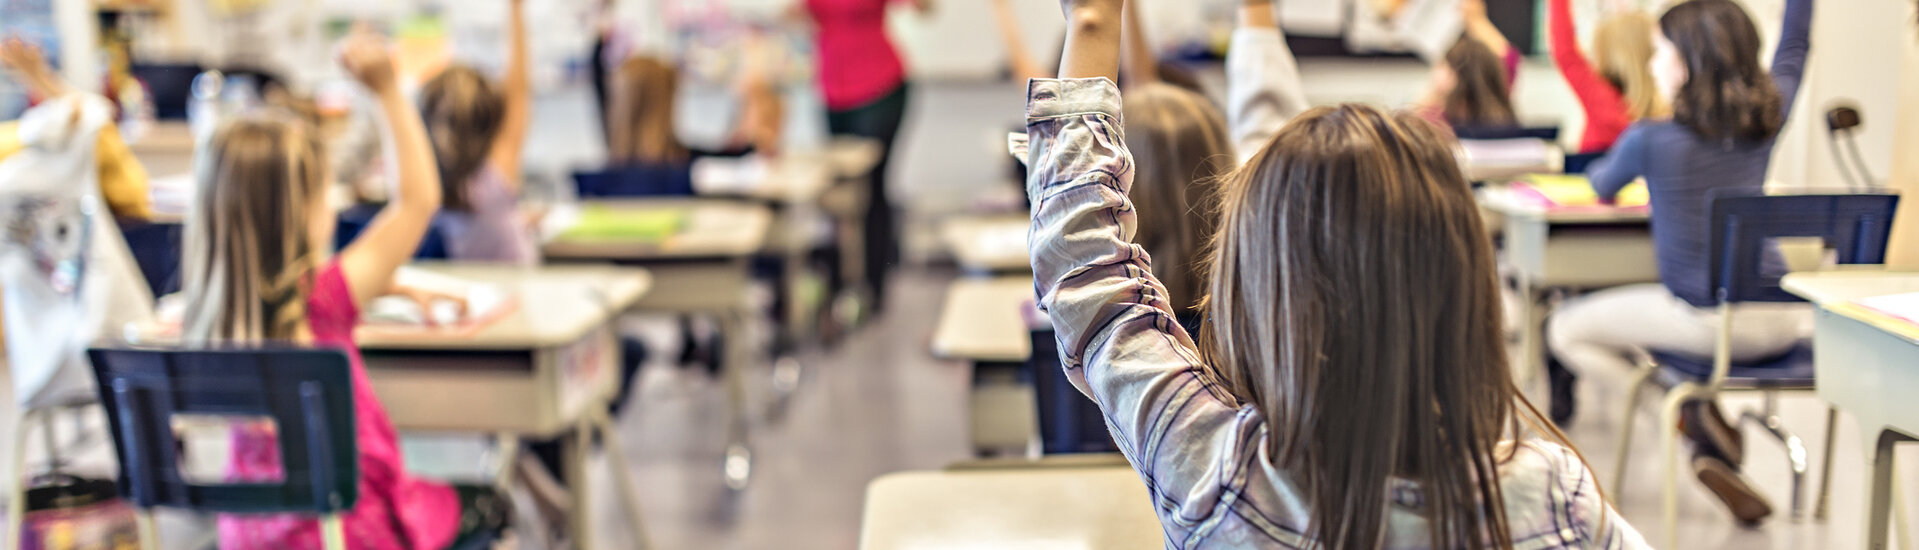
{"x": 1726, "y": 116}
{"x": 478, "y": 128}
{"x": 250, "y": 283}
{"x": 1355, "y": 393}
{"x": 1473, "y": 85}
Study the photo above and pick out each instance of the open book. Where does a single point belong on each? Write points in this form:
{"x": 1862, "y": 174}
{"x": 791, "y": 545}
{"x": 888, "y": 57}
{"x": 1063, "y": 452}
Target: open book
{"x": 484, "y": 303}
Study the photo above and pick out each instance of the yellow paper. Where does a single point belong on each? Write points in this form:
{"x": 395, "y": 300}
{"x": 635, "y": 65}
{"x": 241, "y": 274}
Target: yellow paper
{"x": 1576, "y": 190}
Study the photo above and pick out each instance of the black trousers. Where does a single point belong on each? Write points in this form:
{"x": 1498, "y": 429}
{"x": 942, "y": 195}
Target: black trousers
{"x": 879, "y": 120}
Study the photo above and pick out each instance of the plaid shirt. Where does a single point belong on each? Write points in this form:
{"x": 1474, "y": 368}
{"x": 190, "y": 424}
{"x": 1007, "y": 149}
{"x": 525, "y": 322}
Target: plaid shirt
{"x": 1202, "y": 457}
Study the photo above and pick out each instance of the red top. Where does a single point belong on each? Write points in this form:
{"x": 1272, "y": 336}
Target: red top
{"x": 396, "y": 511}
{"x": 858, "y": 64}
{"x": 1607, "y": 114}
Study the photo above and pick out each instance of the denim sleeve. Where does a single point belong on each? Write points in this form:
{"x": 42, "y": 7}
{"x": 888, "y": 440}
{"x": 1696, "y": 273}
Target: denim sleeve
{"x": 1789, "y": 60}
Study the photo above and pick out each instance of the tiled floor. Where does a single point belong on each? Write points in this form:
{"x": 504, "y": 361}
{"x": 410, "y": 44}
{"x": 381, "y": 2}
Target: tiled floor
{"x": 880, "y": 403}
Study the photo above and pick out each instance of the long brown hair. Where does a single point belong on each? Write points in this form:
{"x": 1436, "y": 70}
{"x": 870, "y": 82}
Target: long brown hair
{"x": 1622, "y": 51}
{"x": 1479, "y": 96}
{"x": 463, "y": 111}
{"x": 1180, "y": 147}
{"x": 248, "y": 248}
{"x": 641, "y": 121}
{"x": 1355, "y": 304}
{"x": 1727, "y": 95}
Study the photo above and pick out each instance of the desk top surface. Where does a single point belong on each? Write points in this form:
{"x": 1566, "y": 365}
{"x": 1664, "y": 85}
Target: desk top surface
{"x": 556, "y": 305}
{"x": 1106, "y": 508}
{"x": 989, "y": 243}
{"x": 983, "y": 320}
{"x": 1836, "y": 291}
{"x": 715, "y": 228}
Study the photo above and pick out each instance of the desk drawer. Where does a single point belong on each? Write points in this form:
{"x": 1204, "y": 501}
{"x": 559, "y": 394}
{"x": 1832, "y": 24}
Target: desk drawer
{"x": 530, "y": 392}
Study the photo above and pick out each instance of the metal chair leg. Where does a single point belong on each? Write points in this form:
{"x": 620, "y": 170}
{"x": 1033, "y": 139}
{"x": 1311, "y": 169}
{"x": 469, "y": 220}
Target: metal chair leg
{"x": 1669, "y": 457}
{"x": 1626, "y": 418}
{"x": 17, "y": 502}
{"x": 1796, "y": 454}
{"x": 143, "y": 522}
{"x": 333, "y": 532}
{"x": 1825, "y": 466}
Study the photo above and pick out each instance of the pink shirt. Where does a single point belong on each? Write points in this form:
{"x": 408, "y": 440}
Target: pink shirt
{"x": 858, "y": 64}
{"x": 395, "y": 511}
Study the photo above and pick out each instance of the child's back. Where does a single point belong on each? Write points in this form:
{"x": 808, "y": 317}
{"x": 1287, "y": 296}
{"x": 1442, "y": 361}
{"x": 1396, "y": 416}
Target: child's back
{"x": 478, "y": 129}
{"x": 255, "y": 272}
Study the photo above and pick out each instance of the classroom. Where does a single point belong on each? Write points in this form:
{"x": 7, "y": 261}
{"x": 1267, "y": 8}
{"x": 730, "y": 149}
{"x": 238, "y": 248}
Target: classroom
{"x": 958, "y": 274}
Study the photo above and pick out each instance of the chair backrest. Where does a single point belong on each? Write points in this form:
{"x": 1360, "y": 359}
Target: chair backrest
{"x": 308, "y": 394}
{"x": 636, "y": 181}
{"x": 156, "y": 250}
{"x": 354, "y": 220}
{"x": 1745, "y": 227}
{"x": 1576, "y": 163}
{"x": 1548, "y": 133}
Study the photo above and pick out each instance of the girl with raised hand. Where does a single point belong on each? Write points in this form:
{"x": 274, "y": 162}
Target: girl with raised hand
{"x": 1727, "y": 112}
{"x": 256, "y": 270}
{"x": 1355, "y": 391}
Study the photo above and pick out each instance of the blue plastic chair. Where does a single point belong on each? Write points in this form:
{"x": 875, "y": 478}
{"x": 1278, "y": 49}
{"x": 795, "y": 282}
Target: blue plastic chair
{"x": 1854, "y": 228}
{"x": 308, "y": 393}
{"x": 354, "y": 220}
{"x": 156, "y": 249}
{"x": 636, "y": 181}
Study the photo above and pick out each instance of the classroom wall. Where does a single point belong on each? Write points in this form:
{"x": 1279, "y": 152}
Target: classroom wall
{"x": 1855, "y": 59}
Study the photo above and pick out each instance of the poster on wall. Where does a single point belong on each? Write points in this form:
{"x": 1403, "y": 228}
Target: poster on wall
{"x": 32, "y": 21}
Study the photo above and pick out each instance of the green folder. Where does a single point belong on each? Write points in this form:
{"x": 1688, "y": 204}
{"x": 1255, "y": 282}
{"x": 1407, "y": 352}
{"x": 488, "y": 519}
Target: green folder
{"x": 609, "y": 224}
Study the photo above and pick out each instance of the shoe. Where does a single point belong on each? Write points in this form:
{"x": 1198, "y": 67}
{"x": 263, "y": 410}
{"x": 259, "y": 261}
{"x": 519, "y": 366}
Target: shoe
{"x": 1706, "y": 427}
{"x": 1564, "y": 387}
{"x": 1740, "y": 497}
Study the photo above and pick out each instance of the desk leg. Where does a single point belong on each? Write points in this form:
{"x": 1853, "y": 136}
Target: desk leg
{"x": 738, "y": 464}
{"x": 1879, "y": 487}
{"x": 616, "y": 459}
{"x": 1532, "y": 336}
{"x": 578, "y": 449}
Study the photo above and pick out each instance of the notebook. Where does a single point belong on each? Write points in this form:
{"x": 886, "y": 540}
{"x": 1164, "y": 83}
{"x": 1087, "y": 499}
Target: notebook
{"x": 600, "y": 223}
{"x": 1575, "y": 191}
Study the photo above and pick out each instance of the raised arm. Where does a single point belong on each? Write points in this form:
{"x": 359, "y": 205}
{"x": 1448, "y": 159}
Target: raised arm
{"x": 1023, "y": 65}
{"x": 1263, "y": 88}
{"x": 1481, "y": 28}
{"x": 1789, "y": 60}
{"x": 1623, "y": 164}
{"x": 393, "y": 236}
{"x": 26, "y": 62}
{"x": 1118, "y": 339}
{"x": 1137, "y": 60}
{"x": 1597, "y": 96}
{"x": 510, "y": 144}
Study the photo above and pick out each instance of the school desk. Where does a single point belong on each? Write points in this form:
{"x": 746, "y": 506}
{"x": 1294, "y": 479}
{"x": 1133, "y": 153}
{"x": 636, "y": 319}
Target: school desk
{"x": 545, "y": 369}
{"x": 981, "y": 323}
{"x": 1094, "y": 507}
{"x": 1567, "y": 248}
{"x": 1868, "y": 365}
{"x": 702, "y": 267}
{"x": 989, "y": 244}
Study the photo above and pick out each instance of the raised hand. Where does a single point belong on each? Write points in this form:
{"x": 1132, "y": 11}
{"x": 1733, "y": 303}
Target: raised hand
{"x": 365, "y": 56}
{"x": 1092, "y": 38}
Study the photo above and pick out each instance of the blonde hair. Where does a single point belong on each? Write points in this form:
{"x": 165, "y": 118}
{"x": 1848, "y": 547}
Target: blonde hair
{"x": 1180, "y": 146}
{"x": 1355, "y": 303}
{"x": 248, "y": 254}
{"x": 646, "y": 91}
{"x": 463, "y": 111}
{"x": 1622, "y": 51}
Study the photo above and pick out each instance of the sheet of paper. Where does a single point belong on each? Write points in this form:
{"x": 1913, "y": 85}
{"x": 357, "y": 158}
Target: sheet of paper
{"x": 1569, "y": 190}
{"x": 1903, "y": 306}
{"x": 483, "y": 302}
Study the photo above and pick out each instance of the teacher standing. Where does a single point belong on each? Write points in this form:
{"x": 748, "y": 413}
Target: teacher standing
{"x": 864, "y": 83}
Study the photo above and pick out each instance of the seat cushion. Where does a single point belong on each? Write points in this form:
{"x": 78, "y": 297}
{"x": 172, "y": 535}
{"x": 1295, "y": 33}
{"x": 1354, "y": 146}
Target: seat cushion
{"x": 1790, "y": 370}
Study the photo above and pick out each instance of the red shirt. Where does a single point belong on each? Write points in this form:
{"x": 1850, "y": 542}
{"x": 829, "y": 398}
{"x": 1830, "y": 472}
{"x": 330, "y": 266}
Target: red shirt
{"x": 858, "y": 64}
{"x": 1606, "y": 112}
